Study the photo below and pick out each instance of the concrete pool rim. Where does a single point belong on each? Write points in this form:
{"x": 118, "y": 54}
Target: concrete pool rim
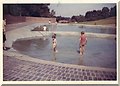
{"x": 20, "y": 56}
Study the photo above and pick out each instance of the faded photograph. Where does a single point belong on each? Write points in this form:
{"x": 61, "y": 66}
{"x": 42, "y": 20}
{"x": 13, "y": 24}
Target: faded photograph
{"x": 60, "y": 42}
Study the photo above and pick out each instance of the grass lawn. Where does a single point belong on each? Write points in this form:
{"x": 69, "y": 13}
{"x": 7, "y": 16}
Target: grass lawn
{"x": 111, "y": 20}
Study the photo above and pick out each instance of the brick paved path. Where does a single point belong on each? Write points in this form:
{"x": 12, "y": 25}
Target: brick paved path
{"x": 20, "y": 70}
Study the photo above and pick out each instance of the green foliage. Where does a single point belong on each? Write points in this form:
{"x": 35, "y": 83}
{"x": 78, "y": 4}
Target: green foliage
{"x": 95, "y": 15}
{"x": 35, "y": 10}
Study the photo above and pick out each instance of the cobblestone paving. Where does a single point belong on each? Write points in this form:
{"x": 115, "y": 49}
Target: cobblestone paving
{"x": 20, "y": 70}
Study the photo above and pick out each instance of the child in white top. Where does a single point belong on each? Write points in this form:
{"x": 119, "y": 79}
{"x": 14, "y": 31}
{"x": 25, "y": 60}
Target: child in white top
{"x": 54, "y": 44}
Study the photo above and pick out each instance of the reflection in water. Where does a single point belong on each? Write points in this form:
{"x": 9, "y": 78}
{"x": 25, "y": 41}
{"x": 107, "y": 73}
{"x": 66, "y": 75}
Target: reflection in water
{"x": 80, "y": 61}
{"x": 53, "y": 56}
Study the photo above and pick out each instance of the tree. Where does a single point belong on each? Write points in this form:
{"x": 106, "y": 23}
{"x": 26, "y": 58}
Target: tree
{"x": 105, "y": 12}
{"x": 97, "y": 14}
{"x": 13, "y": 9}
{"x": 89, "y": 15}
{"x": 36, "y": 10}
{"x": 52, "y": 13}
{"x": 113, "y": 11}
{"x": 79, "y": 18}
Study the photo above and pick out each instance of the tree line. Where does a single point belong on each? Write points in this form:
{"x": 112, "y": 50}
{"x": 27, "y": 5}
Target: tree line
{"x": 33, "y": 10}
{"x": 95, "y": 15}
{"x": 43, "y": 10}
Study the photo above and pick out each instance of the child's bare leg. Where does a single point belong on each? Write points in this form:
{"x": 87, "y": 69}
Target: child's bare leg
{"x": 54, "y": 49}
{"x": 81, "y": 50}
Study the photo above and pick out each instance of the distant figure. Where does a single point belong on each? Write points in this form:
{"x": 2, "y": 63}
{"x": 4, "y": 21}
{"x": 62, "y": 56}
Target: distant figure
{"x": 49, "y": 22}
{"x": 56, "y": 23}
{"x": 4, "y": 35}
{"x": 83, "y": 42}
{"x": 44, "y": 28}
{"x": 54, "y": 42}
{"x": 50, "y": 25}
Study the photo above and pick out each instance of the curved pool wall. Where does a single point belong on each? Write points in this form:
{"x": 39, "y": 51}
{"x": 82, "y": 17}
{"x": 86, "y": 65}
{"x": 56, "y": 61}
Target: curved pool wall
{"x": 26, "y": 33}
{"x": 106, "y": 29}
{"x": 99, "y": 52}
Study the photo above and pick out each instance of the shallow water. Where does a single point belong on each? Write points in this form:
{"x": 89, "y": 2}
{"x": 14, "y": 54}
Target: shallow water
{"x": 77, "y": 28}
{"x": 86, "y": 29}
{"x": 99, "y": 52}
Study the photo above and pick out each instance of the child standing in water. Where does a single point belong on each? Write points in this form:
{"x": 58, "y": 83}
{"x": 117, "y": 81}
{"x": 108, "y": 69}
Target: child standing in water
{"x": 83, "y": 42}
{"x": 54, "y": 43}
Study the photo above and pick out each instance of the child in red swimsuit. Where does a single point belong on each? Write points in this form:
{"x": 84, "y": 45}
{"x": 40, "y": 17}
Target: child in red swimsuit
{"x": 83, "y": 42}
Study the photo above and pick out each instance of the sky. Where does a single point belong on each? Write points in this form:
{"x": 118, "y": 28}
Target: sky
{"x": 68, "y": 10}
